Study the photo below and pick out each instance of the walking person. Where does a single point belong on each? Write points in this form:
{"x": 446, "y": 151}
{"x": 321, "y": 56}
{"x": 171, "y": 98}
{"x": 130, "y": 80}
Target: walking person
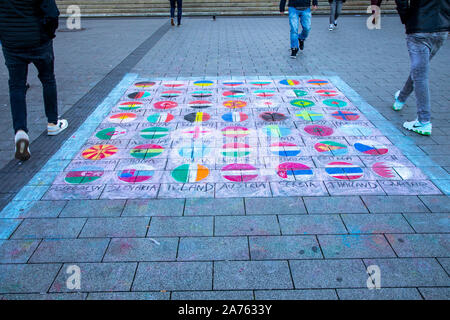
{"x": 335, "y": 12}
{"x": 27, "y": 28}
{"x": 427, "y": 24}
{"x": 178, "y": 4}
{"x": 299, "y": 11}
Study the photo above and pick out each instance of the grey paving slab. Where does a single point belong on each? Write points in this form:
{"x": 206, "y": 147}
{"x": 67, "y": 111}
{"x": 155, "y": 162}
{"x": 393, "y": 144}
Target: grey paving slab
{"x": 141, "y": 249}
{"x": 437, "y": 203}
{"x": 128, "y": 296}
{"x": 45, "y": 296}
{"x": 392, "y": 204}
{"x": 379, "y": 294}
{"x": 17, "y": 251}
{"x": 312, "y": 274}
{"x": 246, "y": 225}
{"x": 70, "y": 250}
{"x": 153, "y": 207}
{"x": 410, "y": 272}
{"x": 93, "y": 208}
{"x": 425, "y": 223}
{"x": 311, "y": 224}
{"x": 420, "y": 245}
{"x": 355, "y": 246}
{"x": 9, "y": 226}
{"x": 212, "y": 207}
{"x": 284, "y": 247}
{"x": 115, "y": 227}
{"x": 181, "y": 226}
{"x": 44, "y": 209}
{"x": 318, "y": 294}
{"x": 376, "y": 223}
{"x": 288, "y": 205}
{"x": 235, "y": 275}
{"x": 435, "y": 293}
{"x": 445, "y": 262}
{"x": 49, "y": 228}
{"x": 213, "y": 248}
{"x": 97, "y": 277}
{"x": 212, "y": 295}
{"x": 27, "y": 278}
{"x": 326, "y": 205}
{"x": 173, "y": 276}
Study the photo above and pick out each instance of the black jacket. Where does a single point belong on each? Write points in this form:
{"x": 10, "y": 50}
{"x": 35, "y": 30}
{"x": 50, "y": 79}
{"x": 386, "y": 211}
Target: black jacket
{"x": 424, "y": 15}
{"x": 330, "y": 1}
{"x": 27, "y": 23}
{"x": 297, "y": 4}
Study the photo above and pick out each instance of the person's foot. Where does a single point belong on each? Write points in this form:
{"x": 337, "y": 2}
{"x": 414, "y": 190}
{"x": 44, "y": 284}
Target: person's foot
{"x": 301, "y": 44}
{"x": 22, "y": 146}
{"x": 331, "y": 27}
{"x": 171, "y": 22}
{"x": 418, "y": 127}
{"x": 397, "y": 106}
{"x": 54, "y": 129}
{"x": 178, "y": 24}
{"x": 335, "y": 25}
{"x": 294, "y": 52}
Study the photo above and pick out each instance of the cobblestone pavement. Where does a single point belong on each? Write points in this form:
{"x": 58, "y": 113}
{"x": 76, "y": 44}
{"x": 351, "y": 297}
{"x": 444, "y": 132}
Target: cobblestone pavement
{"x": 239, "y": 248}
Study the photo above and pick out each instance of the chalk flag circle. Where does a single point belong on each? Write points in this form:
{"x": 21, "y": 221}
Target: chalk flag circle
{"x": 173, "y": 84}
{"x": 318, "y": 82}
{"x": 130, "y": 105}
{"x": 235, "y": 117}
{"x": 234, "y": 104}
{"x": 331, "y": 148}
{"x": 356, "y": 130}
{"x": 160, "y": 118}
{"x": 235, "y": 149}
{"x": 264, "y": 93}
{"x": 270, "y": 116}
{"x": 154, "y": 132}
{"x": 202, "y": 94}
{"x": 235, "y": 132}
{"x": 163, "y": 105}
{"x": 171, "y": 93}
{"x": 197, "y": 117}
{"x": 309, "y": 115}
{"x": 294, "y": 171}
{"x": 234, "y": 94}
{"x": 299, "y": 93}
{"x": 200, "y": 104}
{"x": 139, "y": 95}
{"x": 384, "y": 170}
{"x": 344, "y": 170}
{"x": 233, "y": 83}
{"x": 123, "y": 117}
{"x": 136, "y": 173}
{"x": 239, "y": 172}
{"x": 345, "y": 115}
{"x": 316, "y": 130}
{"x": 100, "y": 151}
{"x": 111, "y": 133}
{"x": 285, "y": 149}
{"x": 260, "y": 83}
{"x": 289, "y": 82}
{"x": 190, "y": 173}
{"x": 327, "y": 93}
{"x": 196, "y": 132}
{"x": 371, "y": 147}
{"x": 276, "y": 131}
{"x": 145, "y": 84}
{"x": 146, "y": 151}
{"x": 302, "y": 103}
{"x": 194, "y": 151}
{"x": 335, "y": 103}
{"x": 84, "y": 174}
{"x": 203, "y": 83}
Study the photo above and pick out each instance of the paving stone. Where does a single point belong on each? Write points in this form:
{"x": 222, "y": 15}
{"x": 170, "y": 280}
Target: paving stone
{"x": 445, "y": 262}
{"x": 93, "y": 208}
{"x": 437, "y": 203}
{"x": 70, "y": 250}
{"x": 435, "y": 293}
{"x": 420, "y": 245}
{"x": 141, "y": 249}
{"x": 284, "y": 247}
{"x": 391, "y": 204}
{"x": 45, "y": 296}
{"x": 311, "y": 274}
{"x": 379, "y": 294}
{"x": 288, "y": 205}
{"x": 429, "y": 223}
{"x": 327, "y": 205}
{"x": 320, "y": 294}
{"x": 115, "y": 227}
{"x": 355, "y": 246}
{"x": 235, "y": 275}
{"x": 173, "y": 276}
{"x": 27, "y": 278}
{"x": 44, "y": 209}
{"x": 181, "y": 226}
{"x": 97, "y": 277}
{"x": 212, "y": 295}
{"x": 212, "y": 207}
{"x": 246, "y": 225}
{"x": 153, "y": 207}
{"x": 213, "y": 248}
{"x": 128, "y": 296}
{"x": 379, "y": 223}
{"x": 410, "y": 272}
{"x": 7, "y": 227}
{"x": 312, "y": 224}
{"x": 17, "y": 251}
{"x": 49, "y": 228}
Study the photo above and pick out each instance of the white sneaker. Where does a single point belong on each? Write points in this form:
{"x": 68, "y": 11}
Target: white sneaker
{"x": 22, "y": 142}
{"x": 418, "y": 127}
{"x": 397, "y": 106}
{"x": 331, "y": 27}
{"x": 58, "y": 128}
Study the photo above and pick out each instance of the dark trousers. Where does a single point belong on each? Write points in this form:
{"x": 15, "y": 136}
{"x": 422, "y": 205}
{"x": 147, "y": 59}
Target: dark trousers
{"x": 17, "y": 61}
{"x": 179, "y": 5}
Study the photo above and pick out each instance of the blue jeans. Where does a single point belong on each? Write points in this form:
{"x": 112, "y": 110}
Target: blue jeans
{"x": 17, "y": 61}
{"x": 422, "y": 48}
{"x": 179, "y": 5}
{"x": 305, "y": 19}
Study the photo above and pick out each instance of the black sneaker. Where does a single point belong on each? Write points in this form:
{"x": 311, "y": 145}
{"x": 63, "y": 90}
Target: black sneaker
{"x": 294, "y": 53}
{"x": 301, "y": 44}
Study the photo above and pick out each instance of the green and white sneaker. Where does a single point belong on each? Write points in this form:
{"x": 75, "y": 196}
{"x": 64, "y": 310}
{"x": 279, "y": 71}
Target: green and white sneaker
{"x": 397, "y": 106}
{"x": 57, "y": 128}
{"x": 418, "y": 127}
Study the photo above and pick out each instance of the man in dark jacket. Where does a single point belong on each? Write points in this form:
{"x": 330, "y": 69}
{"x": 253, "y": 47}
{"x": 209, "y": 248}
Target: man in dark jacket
{"x": 27, "y": 28}
{"x": 298, "y": 10}
{"x": 427, "y": 25}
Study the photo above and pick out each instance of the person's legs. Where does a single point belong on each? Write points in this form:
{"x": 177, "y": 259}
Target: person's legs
{"x": 305, "y": 19}
{"x": 180, "y": 10}
{"x": 172, "y": 8}
{"x": 333, "y": 6}
{"x": 293, "y": 23}
{"x": 338, "y": 10}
